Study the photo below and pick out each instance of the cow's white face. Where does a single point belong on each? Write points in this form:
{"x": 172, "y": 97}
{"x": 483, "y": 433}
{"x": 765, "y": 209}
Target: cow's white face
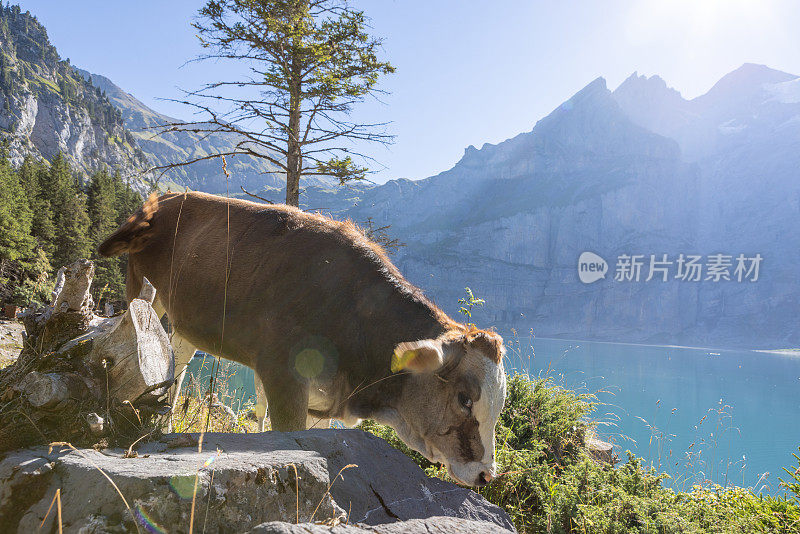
{"x": 452, "y": 400}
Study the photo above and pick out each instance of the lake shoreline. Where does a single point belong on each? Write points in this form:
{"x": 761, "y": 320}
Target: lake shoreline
{"x": 782, "y": 351}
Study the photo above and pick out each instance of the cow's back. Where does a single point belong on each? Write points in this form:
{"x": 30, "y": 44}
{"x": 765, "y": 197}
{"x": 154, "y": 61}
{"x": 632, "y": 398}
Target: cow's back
{"x": 240, "y": 279}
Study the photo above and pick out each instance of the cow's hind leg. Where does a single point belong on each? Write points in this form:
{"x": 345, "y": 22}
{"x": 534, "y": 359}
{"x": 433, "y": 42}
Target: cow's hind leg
{"x": 288, "y": 400}
{"x": 184, "y": 352}
{"x": 181, "y": 348}
{"x": 261, "y": 402}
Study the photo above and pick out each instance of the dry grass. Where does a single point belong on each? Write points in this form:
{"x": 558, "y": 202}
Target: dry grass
{"x": 192, "y": 412}
{"x": 228, "y": 409}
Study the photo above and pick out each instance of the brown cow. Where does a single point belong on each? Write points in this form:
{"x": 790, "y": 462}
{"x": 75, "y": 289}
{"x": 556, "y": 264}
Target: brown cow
{"x": 327, "y": 322}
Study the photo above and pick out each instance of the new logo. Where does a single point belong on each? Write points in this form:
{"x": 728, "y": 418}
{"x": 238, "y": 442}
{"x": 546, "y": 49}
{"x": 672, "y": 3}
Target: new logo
{"x": 591, "y": 267}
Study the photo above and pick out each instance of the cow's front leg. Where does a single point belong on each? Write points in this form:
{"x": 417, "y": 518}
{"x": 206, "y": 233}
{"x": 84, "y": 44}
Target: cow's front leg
{"x": 287, "y": 397}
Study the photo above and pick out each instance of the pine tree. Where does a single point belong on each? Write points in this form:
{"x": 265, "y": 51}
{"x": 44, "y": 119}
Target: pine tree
{"x": 18, "y": 248}
{"x": 102, "y": 203}
{"x": 16, "y": 216}
{"x": 68, "y": 205}
{"x": 128, "y": 200}
{"x": 47, "y": 220}
{"x": 310, "y": 62}
{"x": 34, "y": 176}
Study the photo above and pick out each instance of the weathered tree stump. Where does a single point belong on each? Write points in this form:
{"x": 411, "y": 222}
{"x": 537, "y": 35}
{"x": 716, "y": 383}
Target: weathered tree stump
{"x": 81, "y": 376}
{"x": 138, "y": 355}
{"x": 601, "y": 451}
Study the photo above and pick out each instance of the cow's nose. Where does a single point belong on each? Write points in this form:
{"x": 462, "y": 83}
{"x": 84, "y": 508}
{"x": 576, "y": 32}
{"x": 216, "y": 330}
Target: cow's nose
{"x": 483, "y": 479}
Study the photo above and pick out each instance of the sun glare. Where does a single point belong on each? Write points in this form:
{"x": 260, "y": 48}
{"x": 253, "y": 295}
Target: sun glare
{"x": 697, "y": 20}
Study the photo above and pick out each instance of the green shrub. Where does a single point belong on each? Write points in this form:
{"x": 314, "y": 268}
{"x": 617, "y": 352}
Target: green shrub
{"x": 793, "y": 487}
{"x": 549, "y": 483}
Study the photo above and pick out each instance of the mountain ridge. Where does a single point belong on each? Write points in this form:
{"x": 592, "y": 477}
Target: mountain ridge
{"x": 510, "y": 220}
{"x": 637, "y": 170}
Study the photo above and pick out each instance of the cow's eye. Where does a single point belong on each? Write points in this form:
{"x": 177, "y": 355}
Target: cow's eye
{"x": 465, "y": 401}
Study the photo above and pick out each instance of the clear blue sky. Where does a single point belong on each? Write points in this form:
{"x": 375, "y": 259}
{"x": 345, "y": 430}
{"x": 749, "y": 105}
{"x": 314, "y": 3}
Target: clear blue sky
{"x": 468, "y": 72}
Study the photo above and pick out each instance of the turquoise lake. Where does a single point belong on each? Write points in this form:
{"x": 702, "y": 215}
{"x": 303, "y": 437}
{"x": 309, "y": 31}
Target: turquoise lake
{"x": 695, "y": 413}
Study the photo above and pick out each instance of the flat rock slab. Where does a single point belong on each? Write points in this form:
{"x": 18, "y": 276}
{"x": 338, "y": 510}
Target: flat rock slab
{"x": 239, "y": 482}
{"x": 431, "y": 525}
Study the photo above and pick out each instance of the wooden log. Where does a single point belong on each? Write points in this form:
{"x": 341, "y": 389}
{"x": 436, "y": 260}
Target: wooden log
{"x": 48, "y": 390}
{"x": 133, "y": 348}
{"x": 148, "y": 291}
{"x": 601, "y": 451}
{"x": 59, "y": 285}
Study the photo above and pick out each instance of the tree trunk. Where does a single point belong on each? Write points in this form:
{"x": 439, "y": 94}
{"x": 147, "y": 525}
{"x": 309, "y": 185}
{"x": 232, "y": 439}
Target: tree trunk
{"x": 293, "y": 180}
{"x": 293, "y": 160}
{"x": 48, "y": 390}
{"x": 76, "y": 365}
{"x": 294, "y": 154}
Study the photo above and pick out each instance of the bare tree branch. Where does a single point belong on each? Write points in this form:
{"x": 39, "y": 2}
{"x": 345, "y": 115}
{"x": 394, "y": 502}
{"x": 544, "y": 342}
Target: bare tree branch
{"x": 246, "y": 192}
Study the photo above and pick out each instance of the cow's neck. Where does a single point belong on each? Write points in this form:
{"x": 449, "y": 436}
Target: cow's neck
{"x": 380, "y": 389}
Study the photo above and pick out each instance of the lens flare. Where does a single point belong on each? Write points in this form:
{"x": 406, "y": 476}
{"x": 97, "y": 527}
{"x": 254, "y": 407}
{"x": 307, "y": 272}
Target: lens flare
{"x": 309, "y": 363}
{"x": 182, "y": 486}
{"x": 149, "y": 524}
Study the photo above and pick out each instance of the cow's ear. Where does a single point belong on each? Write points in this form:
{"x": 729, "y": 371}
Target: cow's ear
{"x": 424, "y": 356}
{"x": 489, "y": 343}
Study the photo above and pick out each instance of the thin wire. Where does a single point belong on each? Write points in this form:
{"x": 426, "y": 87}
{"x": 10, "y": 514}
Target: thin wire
{"x": 217, "y": 362}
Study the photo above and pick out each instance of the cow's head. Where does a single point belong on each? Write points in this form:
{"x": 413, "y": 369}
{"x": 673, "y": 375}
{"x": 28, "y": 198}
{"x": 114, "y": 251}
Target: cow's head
{"x": 454, "y": 391}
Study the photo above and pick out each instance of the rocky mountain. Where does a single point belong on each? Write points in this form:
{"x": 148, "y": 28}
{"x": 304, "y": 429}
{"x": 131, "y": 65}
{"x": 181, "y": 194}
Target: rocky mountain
{"x": 47, "y": 107}
{"x": 640, "y": 171}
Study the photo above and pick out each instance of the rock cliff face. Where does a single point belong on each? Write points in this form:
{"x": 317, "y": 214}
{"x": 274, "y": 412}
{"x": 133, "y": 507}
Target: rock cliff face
{"x": 47, "y": 107}
{"x": 637, "y": 171}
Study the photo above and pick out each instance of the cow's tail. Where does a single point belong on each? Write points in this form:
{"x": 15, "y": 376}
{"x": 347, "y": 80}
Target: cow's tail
{"x": 133, "y": 235}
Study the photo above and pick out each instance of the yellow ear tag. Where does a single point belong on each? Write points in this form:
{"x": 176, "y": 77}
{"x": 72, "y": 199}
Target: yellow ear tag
{"x": 401, "y": 361}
